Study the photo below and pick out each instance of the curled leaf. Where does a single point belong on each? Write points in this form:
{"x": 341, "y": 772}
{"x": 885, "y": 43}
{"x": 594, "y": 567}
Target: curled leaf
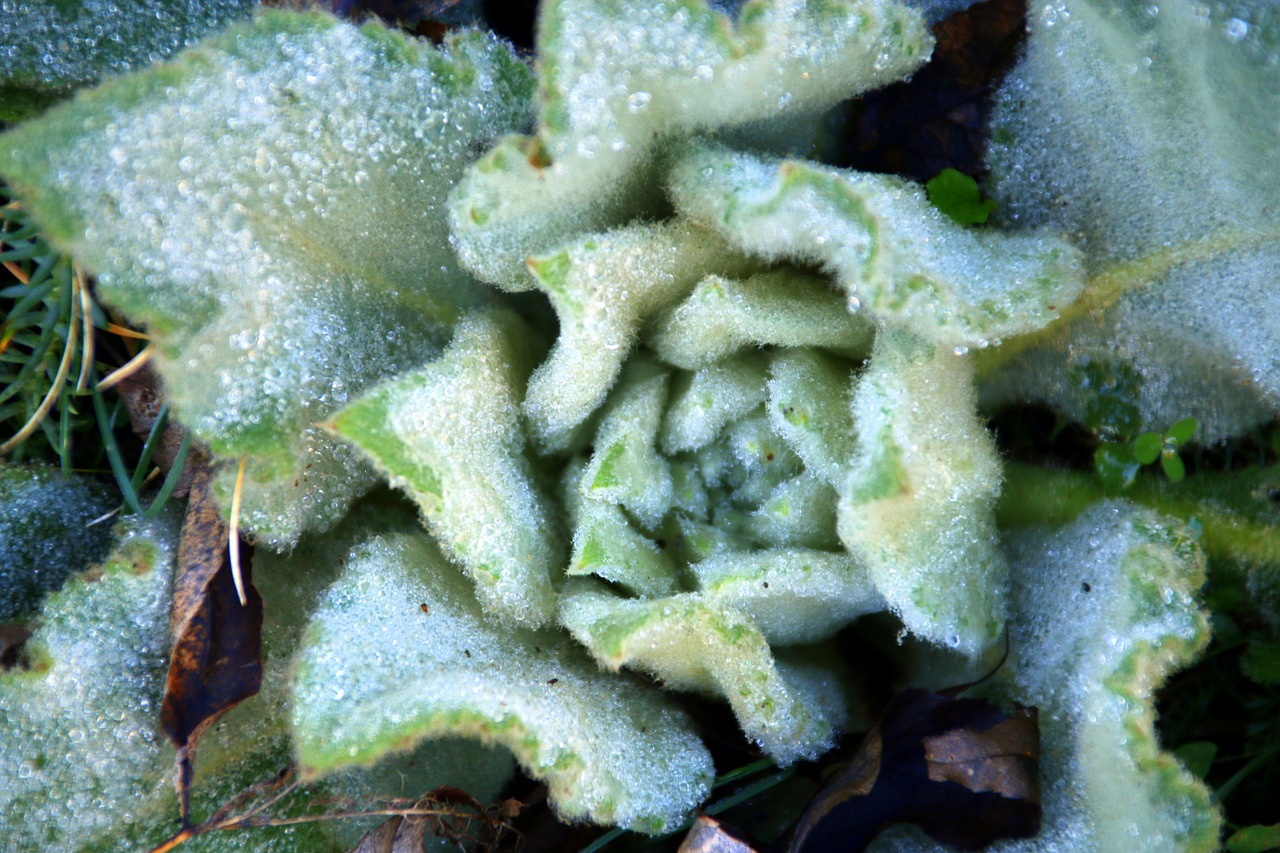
{"x": 617, "y": 79}
{"x": 379, "y": 673}
{"x": 897, "y": 257}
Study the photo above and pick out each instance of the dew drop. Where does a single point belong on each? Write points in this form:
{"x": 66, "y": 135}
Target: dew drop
{"x": 638, "y": 102}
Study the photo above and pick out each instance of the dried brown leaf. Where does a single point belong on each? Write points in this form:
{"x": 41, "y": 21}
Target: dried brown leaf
{"x": 707, "y": 835}
{"x": 962, "y": 770}
{"x": 217, "y": 642}
{"x": 397, "y": 835}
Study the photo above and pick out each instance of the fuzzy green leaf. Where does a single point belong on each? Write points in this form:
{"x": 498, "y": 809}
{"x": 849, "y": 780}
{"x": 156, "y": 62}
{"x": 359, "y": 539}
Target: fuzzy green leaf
{"x": 44, "y": 534}
{"x": 780, "y": 308}
{"x": 791, "y": 595}
{"x": 450, "y": 435}
{"x": 692, "y": 643}
{"x": 1111, "y": 129}
{"x": 897, "y": 257}
{"x": 268, "y": 206}
{"x": 809, "y": 406}
{"x": 626, "y": 468}
{"x": 617, "y": 79}
{"x": 917, "y": 503}
{"x": 52, "y": 47}
{"x": 80, "y": 739}
{"x": 704, "y": 402}
{"x": 604, "y": 288}
{"x": 399, "y": 652}
{"x": 1092, "y": 660}
{"x": 1102, "y": 613}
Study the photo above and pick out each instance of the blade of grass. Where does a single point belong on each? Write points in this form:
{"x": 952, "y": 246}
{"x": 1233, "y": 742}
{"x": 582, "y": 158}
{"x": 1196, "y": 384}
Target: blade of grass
{"x": 48, "y": 327}
{"x": 114, "y": 458}
{"x": 149, "y": 447}
{"x": 64, "y": 367}
{"x": 171, "y": 479}
{"x": 127, "y": 369}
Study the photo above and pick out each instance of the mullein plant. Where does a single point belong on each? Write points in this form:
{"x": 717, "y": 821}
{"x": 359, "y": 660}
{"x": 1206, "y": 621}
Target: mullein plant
{"x": 669, "y": 396}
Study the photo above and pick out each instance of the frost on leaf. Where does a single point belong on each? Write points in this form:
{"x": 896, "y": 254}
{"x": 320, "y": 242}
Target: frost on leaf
{"x": 1103, "y": 611}
{"x": 43, "y": 536}
{"x": 792, "y": 595}
{"x": 692, "y": 643}
{"x": 269, "y": 207}
{"x": 80, "y": 744}
{"x": 1148, "y": 133}
{"x": 450, "y": 435}
{"x": 917, "y": 504}
{"x": 809, "y": 406}
{"x": 779, "y": 308}
{"x": 616, "y": 79}
{"x": 898, "y": 258}
{"x": 399, "y": 652}
{"x": 717, "y": 542}
{"x": 604, "y": 288}
{"x": 50, "y": 48}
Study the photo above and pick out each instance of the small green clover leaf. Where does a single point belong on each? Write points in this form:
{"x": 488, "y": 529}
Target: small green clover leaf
{"x": 957, "y": 195}
{"x": 1147, "y": 447}
{"x": 1152, "y": 445}
{"x": 1118, "y": 463}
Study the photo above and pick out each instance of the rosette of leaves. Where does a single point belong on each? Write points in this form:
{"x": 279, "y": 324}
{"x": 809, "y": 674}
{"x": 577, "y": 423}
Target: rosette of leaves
{"x": 691, "y": 473}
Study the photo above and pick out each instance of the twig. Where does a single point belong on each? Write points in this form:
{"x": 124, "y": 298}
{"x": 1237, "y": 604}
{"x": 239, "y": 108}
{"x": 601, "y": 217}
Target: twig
{"x": 237, "y": 813}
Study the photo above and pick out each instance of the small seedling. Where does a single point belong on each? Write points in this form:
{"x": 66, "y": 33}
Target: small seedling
{"x": 1118, "y": 463}
{"x": 957, "y": 195}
